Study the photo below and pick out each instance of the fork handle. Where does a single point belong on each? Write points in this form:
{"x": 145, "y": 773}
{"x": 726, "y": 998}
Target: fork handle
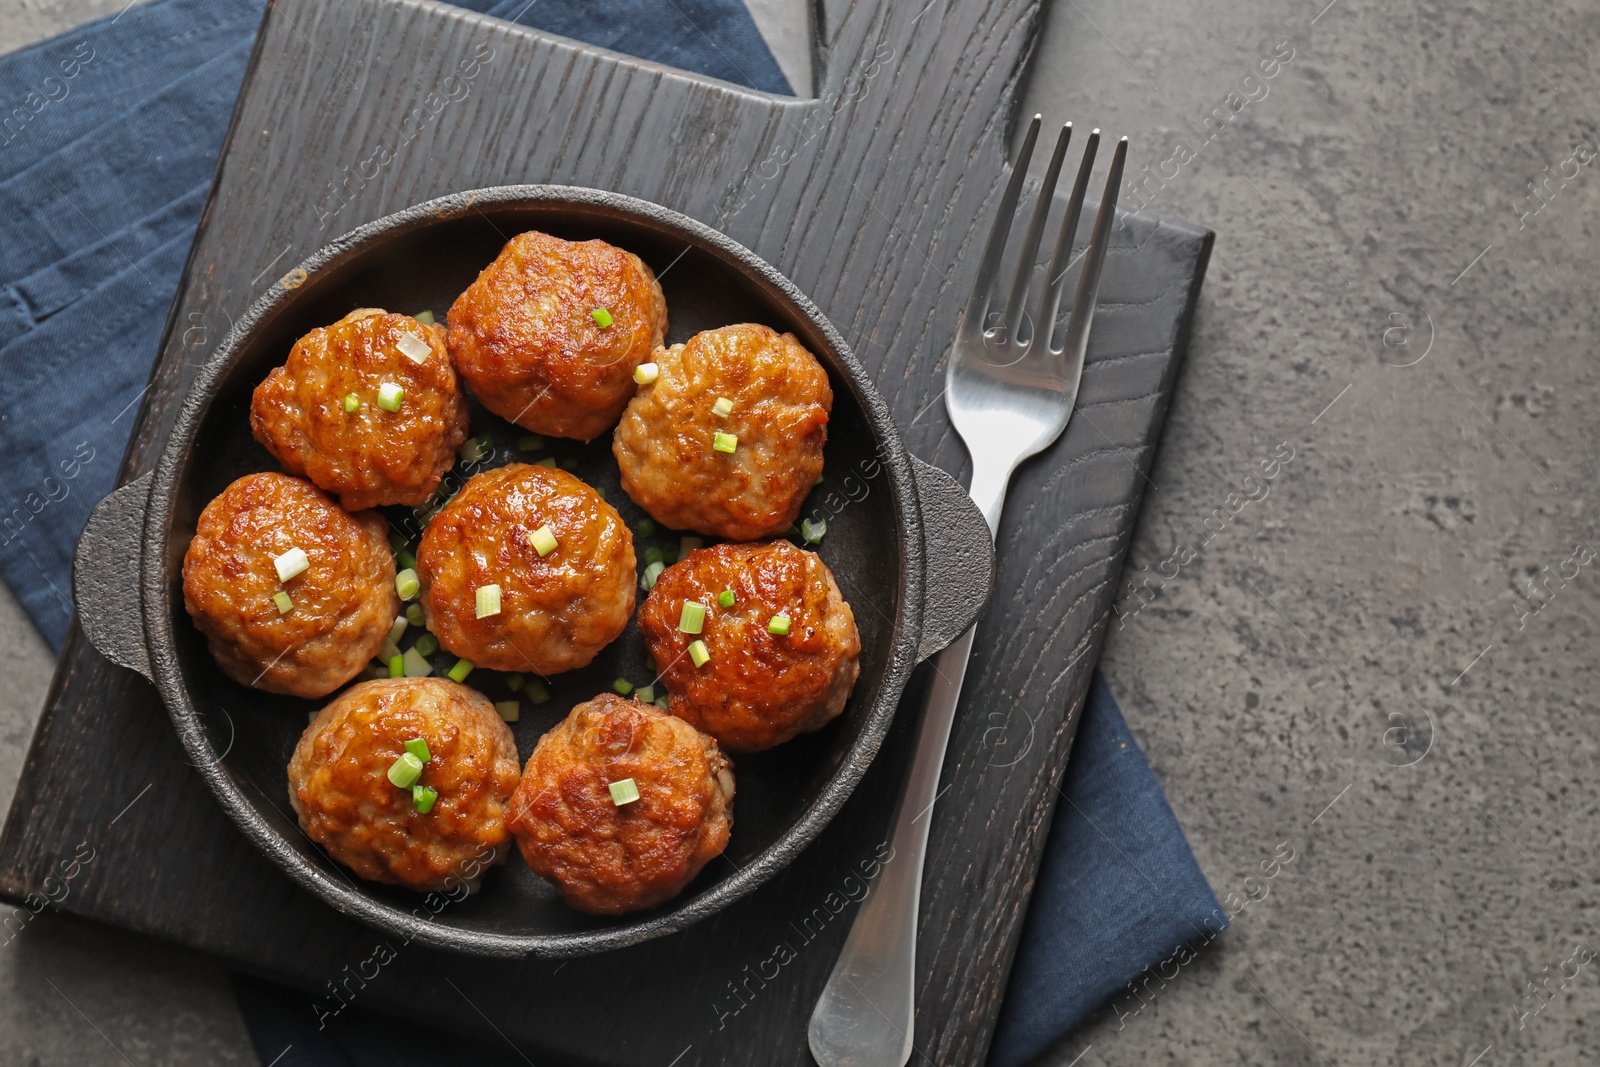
{"x": 866, "y": 1014}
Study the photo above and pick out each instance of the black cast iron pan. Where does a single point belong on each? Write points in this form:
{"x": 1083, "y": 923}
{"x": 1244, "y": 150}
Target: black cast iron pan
{"x": 911, "y": 553}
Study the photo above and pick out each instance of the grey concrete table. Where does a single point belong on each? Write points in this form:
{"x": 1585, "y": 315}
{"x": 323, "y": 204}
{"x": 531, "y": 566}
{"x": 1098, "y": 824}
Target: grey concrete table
{"x": 1344, "y": 661}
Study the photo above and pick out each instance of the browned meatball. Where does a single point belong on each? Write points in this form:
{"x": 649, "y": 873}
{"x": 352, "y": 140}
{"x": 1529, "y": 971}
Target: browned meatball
{"x": 780, "y": 401}
{"x": 368, "y": 456}
{"x": 556, "y": 610}
{"x": 339, "y": 609}
{"x": 758, "y": 689}
{"x": 607, "y": 857}
{"x": 340, "y": 788}
{"x": 526, "y": 338}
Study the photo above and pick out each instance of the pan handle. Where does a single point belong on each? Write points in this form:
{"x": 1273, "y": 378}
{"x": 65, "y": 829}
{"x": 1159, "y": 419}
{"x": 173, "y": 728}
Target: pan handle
{"x": 105, "y": 577}
{"x": 958, "y": 555}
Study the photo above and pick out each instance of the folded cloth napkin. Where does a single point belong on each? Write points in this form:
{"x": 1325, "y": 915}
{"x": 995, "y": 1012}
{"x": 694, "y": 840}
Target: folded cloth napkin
{"x": 108, "y": 138}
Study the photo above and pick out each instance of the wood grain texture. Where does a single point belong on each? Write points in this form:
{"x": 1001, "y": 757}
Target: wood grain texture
{"x": 873, "y": 199}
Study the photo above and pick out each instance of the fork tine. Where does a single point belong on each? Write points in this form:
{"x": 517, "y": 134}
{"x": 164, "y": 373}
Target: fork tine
{"x": 1030, "y": 246}
{"x": 1060, "y": 259}
{"x": 1077, "y": 340}
{"x": 978, "y": 302}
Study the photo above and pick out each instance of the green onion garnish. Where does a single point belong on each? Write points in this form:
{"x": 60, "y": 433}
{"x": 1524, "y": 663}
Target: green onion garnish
{"x": 778, "y": 624}
{"x": 418, "y": 747}
{"x": 722, "y": 408}
{"x": 544, "y": 541}
{"x": 600, "y": 491}
{"x": 663, "y": 703}
{"x": 813, "y": 532}
{"x": 699, "y": 653}
{"x": 537, "y": 691}
{"x": 622, "y": 686}
{"x": 646, "y": 528}
{"x": 645, "y": 373}
{"x": 623, "y": 792}
{"x": 352, "y": 403}
{"x": 404, "y": 772}
{"x": 726, "y": 598}
{"x": 425, "y": 317}
{"x": 398, "y": 629}
{"x": 423, "y": 798}
{"x": 406, "y": 558}
{"x": 397, "y": 667}
{"x": 407, "y": 585}
{"x": 390, "y": 649}
{"x": 725, "y": 442}
{"x": 530, "y": 443}
{"x": 652, "y": 554}
{"x": 602, "y": 317}
{"x": 413, "y": 348}
{"x": 311, "y": 717}
{"x": 514, "y": 682}
{"x": 509, "y": 710}
{"x": 688, "y": 543}
{"x": 416, "y": 665}
{"x": 548, "y": 461}
{"x": 291, "y": 563}
{"x": 459, "y": 672}
{"x": 281, "y": 599}
{"x": 647, "y": 581}
{"x": 415, "y": 616}
{"x": 390, "y": 396}
{"x": 693, "y": 618}
{"x": 474, "y": 449}
{"x": 426, "y": 645}
{"x": 650, "y": 664}
{"x": 488, "y": 600}
{"x": 646, "y": 693}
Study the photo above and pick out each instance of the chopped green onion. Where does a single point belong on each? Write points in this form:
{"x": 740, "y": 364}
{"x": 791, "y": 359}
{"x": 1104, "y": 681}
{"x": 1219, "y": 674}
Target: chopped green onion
{"x": 646, "y": 528}
{"x": 397, "y": 667}
{"x": 726, "y": 598}
{"x": 404, "y": 772}
{"x": 406, "y": 558}
{"x": 819, "y": 479}
{"x": 646, "y": 693}
{"x": 652, "y": 554}
{"x": 537, "y": 691}
{"x": 650, "y": 664}
{"x": 600, "y": 491}
{"x": 699, "y": 653}
{"x": 416, "y": 664}
{"x": 418, "y": 747}
{"x": 813, "y": 532}
{"x": 398, "y": 630}
{"x": 693, "y": 618}
{"x": 624, "y": 792}
{"x": 374, "y": 671}
{"x": 663, "y": 703}
{"x": 688, "y": 543}
{"x": 291, "y": 563}
{"x": 425, "y": 317}
{"x": 509, "y": 710}
{"x": 725, "y": 442}
{"x": 647, "y": 581}
{"x": 281, "y": 599}
{"x": 645, "y": 373}
{"x": 514, "y": 682}
{"x": 390, "y": 396}
{"x": 474, "y": 449}
{"x": 459, "y": 672}
{"x": 415, "y": 616}
{"x": 548, "y": 461}
{"x": 407, "y": 585}
{"x": 390, "y": 648}
{"x": 622, "y": 686}
{"x": 311, "y": 717}
{"x": 669, "y": 555}
{"x": 414, "y": 348}
{"x": 488, "y": 600}
{"x": 602, "y": 317}
{"x": 423, "y": 798}
{"x": 544, "y": 540}
{"x": 426, "y": 645}
{"x": 352, "y": 403}
{"x": 778, "y": 624}
{"x": 530, "y": 443}
{"x": 722, "y": 408}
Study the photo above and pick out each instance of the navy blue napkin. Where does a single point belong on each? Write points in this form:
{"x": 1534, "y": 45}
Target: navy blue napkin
{"x": 106, "y": 157}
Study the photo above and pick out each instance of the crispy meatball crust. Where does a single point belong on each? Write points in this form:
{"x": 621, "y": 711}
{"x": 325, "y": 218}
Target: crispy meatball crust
{"x": 369, "y": 456}
{"x": 339, "y": 785}
{"x": 608, "y": 858}
{"x": 758, "y": 689}
{"x": 343, "y": 604}
{"x": 781, "y": 399}
{"x": 524, "y": 335}
{"x": 556, "y": 611}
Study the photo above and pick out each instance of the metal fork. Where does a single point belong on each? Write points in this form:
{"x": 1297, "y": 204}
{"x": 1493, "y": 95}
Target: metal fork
{"x": 1010, "y": 392}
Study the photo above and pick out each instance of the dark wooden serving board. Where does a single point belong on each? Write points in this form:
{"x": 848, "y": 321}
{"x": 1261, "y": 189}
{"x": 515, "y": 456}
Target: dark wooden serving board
{"x": 874, "y": 199}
